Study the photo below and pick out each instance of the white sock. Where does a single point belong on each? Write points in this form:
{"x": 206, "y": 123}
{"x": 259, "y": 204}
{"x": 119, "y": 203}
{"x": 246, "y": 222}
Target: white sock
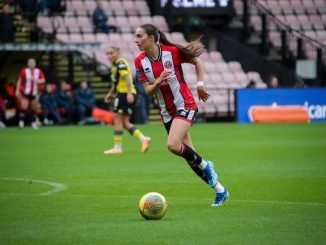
{"x": 202, "y": 165}
{"x": 117, "y": 147}
{"x": 219, "y": 188}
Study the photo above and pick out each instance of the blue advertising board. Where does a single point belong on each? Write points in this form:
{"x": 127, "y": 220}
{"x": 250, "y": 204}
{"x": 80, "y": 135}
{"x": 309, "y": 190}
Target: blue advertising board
{"x": 313, "y": 99}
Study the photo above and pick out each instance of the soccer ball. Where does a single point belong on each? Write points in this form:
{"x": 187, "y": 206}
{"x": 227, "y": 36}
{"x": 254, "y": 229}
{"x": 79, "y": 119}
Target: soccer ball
{"x": 153, "y": 206}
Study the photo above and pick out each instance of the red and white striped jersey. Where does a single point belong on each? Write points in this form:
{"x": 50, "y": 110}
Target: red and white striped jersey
{"x": 174, "y": 94}
{"x": 30, "y": 80}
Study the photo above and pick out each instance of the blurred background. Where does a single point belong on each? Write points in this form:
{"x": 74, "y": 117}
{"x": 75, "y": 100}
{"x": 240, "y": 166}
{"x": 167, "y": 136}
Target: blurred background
{"x": 251, "y": 43}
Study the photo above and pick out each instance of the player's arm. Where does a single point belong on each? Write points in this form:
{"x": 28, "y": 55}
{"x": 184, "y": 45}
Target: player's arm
{"x": 199, "y": 66}
{"x": 108, "y": 96}
{"x": 18, "y": 85}
{"x": 42, "y": 78}
{"x": 130, "y": 96}
{"x": 150, "y": 89}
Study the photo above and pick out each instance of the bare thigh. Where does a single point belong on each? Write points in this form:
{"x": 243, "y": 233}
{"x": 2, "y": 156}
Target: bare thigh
{"x": 178, "y": 133}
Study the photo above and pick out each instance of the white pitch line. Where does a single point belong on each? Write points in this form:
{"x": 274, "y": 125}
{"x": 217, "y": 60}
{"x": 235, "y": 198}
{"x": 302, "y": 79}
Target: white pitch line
{"x": 57, "y": 186}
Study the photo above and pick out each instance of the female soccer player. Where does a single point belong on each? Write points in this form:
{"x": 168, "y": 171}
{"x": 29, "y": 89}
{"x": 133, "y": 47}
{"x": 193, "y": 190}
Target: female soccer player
{"x": 123, "y": 103}
{"x": 27, "y": 91}
{"x": 159, "y": 71}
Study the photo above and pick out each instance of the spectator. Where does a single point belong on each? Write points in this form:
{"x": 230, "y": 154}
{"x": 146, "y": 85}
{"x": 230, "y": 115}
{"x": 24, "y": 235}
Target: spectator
{"x": 7, "y": 33}
{"x": 100, "y": 20}
{"x": 144, "y": 101}
{"x": 251, "y": 84}
{"x": 299, "y": 83}
{"x": 65, "y": 100}
{"x": 2, "y": 113}
{"x": 85, "y": 100}
{"x": 272, "y": 81}
{"x": 49, "y": 105}
{"x": 27, "y": 90}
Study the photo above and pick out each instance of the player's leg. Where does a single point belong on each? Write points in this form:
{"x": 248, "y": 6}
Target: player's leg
{"x": 136, "y": 133}
{"x": 178, "y": 133}
{"x": 187, "y": 141}
{"x": 24, "y": 104}
{"x": 117, "y": 137}
{"x": 34, "y": 108}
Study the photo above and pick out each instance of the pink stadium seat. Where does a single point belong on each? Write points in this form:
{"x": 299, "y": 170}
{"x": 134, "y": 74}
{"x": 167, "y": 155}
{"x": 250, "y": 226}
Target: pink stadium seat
{"x": 216, "y": 56}
{"x": 143, "y": 8}
{"x": 178, "y": 37}
{"x": 228, "y": 77}
{"x": 235, "y": 66}
{"x": 130, "y": 7}
{"x": 222, "y": 67}
{"x": 311, "y": 34}
{"x": 241, "y": 78}
{"x": 127, "y": 37}
{"x": 44, "y": 23}
{"x": 145, "y": 19}
{"x": 123, "y": 23}
{"x": 114, "y": 38}
{"x": 78, "y": 7}
{"x": 254, "y": 76}
{"x": 214, "y": 78}
{"x": 90, "y": 5}
{"x": 72, "y": 24}
{"x": 134, "y": 21}
{"x": 210, "y": 67}
{"x": 63, "y": 37}
{"x": 117, "y": 8}
{"x": 76, "y": 38}
{"x": 89, "y": 38}
{"x": 85, "y": 24}
{"x": 160, "y": 22}
{"x": 101, "y": 37}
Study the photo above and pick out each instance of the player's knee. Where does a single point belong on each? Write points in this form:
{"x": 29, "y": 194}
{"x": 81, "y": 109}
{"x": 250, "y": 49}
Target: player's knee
{"x": 173, "y": 147}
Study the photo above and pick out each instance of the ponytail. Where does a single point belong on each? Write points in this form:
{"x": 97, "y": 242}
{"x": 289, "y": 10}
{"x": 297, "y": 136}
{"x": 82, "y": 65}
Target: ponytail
{"x": 191, "y": 51}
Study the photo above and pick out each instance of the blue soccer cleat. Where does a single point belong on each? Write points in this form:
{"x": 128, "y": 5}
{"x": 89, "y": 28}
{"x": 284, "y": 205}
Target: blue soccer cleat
{"x": 210, "y": 174}
{"x": 221, "y": 198}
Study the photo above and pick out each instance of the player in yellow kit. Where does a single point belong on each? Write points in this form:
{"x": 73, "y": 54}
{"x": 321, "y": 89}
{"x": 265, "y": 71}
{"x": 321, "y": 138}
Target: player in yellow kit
{"x": 123, "y": 102}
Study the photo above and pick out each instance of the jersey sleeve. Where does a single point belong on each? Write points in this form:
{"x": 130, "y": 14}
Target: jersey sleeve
{"x": 122, "y": 68}
{"x": 140, "y": 74}
{"x": 41, "y": 76}
{"x": 22, "y": 74}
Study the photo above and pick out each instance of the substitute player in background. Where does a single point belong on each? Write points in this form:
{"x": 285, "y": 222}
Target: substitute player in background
{"x": 27, "y": 91}
{"x": 159, "y": 71}
{"x": 123, "y": 103}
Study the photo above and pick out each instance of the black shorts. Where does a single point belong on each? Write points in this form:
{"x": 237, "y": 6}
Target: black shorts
{"x": 28, "y": 97}
{"x": 121, "y": 105}
{"x": 187, "y": 115}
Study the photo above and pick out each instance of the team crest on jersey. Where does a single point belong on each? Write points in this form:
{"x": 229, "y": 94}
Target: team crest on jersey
{"x": 168, "y": 64}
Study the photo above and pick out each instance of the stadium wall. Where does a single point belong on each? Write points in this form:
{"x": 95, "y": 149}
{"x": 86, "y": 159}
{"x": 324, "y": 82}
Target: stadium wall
{"x": 312, "y": 99}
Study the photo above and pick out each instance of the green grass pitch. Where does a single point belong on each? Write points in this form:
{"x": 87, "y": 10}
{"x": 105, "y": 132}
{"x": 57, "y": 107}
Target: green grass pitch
{"x": 57, "y": 186}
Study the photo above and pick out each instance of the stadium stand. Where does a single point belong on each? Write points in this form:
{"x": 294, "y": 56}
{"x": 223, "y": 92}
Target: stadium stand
{"x": 223, "y": 75}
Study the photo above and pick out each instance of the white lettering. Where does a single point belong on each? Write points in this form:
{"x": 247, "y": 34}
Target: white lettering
{"x": 163, "y": 3}
{"x": 223, "y": 3}
{"x": 192, "y": 3}
{"x": 315, "y": 111}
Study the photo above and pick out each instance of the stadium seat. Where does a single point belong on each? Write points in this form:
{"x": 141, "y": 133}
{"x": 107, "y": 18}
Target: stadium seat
{"x": 85, "y": 24}
{"x": 123, "y": 23}
{"x": 222, "y": 67}
{"x": 130, "y": 8}
{"x": 235, "y": 66}
{"x": 143, "y": 8}
{"x": 216, "y": 56}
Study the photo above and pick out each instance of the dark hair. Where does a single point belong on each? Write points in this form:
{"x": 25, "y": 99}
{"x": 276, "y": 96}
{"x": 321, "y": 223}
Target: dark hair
{"x": 192, "y": 50}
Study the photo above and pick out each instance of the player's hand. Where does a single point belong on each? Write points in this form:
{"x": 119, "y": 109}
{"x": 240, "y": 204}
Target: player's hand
{"x": 202, "y": 94}
{"x": 130, "y": 98}
{"x": 108, "y": 98}
{"x": 164, "y": 76}
{"x": 18, "y": 95}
